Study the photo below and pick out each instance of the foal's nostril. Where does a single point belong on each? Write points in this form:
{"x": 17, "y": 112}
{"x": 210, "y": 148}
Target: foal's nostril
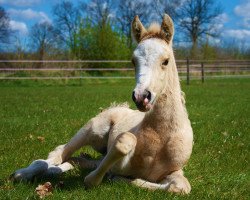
{"x": 147, "y": 94}
{"x": 133, "y": 96}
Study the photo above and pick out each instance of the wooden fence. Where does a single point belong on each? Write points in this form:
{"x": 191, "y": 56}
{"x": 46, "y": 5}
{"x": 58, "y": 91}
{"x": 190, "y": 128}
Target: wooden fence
{"x": 205, "y": 69}
{"x": 107, "y": 69}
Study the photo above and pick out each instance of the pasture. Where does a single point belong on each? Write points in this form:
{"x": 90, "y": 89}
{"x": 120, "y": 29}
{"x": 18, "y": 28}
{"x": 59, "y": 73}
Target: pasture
{"x": 35, "y": 117}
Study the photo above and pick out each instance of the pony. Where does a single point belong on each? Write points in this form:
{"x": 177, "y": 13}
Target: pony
{"x": 147, "y": 147}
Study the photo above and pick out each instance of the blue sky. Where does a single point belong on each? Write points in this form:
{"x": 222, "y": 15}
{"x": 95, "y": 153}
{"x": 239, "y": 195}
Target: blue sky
{"x": 234, "y": 23}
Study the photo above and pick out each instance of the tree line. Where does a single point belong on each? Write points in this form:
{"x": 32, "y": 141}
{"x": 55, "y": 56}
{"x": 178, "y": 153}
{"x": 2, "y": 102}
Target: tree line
{"x": 100, "y": 29}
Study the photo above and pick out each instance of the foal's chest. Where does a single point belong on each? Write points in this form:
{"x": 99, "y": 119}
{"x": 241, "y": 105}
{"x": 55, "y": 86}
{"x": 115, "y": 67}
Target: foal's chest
{"x": 152, "y": 158}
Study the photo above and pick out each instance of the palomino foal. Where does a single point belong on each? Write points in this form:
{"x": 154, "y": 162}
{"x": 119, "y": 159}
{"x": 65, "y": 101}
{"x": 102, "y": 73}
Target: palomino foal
{"x": 150, "y": 147}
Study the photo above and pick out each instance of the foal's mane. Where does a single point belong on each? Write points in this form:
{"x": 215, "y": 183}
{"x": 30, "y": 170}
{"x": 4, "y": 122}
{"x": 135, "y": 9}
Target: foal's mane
{"x": 154, "y": 31}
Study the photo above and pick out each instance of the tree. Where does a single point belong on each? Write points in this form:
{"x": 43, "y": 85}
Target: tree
{"x": 197, "y": 18}
{"x": 208, "y": 51}
{"x": 5, "y": 30}
{"x": 99, "y": 12}
{"x": 102, "y": 43}
{"x": 67, "y": 21}
{"x": 20, "y": 47}
{"x": 44, "y": 39}
{"x": 127, "y": 10}
{"x": 166, "y": 6}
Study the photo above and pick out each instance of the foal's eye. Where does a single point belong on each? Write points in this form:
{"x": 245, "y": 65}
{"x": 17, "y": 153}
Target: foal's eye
{"x": 165, "y": 63}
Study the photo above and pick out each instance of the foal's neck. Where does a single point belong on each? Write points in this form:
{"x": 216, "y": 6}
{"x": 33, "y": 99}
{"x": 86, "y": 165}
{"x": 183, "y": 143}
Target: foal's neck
{"x": 168, "y": 109}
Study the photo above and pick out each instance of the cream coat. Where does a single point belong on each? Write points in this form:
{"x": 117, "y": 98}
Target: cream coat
{"x": 151, "y": 148}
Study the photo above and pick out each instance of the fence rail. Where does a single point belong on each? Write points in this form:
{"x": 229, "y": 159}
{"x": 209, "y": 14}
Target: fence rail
{"x": 100, "y": 69}
{"x": 66, "y": 69}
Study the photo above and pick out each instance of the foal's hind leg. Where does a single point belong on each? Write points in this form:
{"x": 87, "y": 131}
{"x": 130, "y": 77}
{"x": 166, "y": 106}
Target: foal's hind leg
{"x": 94, "y": 133}
{"x": 81, "y": 161}
{"x": 178, "y": 183}
{"x": 175, "y": 182}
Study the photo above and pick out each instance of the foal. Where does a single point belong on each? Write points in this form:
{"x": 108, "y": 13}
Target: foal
{"x": 150, "y": 145}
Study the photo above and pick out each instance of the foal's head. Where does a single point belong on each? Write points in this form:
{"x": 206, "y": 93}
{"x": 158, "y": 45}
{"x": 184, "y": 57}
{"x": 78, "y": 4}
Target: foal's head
{"x": 153, "y": 59}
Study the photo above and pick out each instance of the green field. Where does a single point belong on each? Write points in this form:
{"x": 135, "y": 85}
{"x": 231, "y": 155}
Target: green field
{"x": 219, "y": 167}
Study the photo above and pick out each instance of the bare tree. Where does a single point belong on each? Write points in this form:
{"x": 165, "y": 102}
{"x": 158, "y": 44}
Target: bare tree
{"x": 43, "y": 38}
{"x": 197, "y": 18}
{"x": 127, "y": 10}
{"x": 67, "y": 21}
{"x": 166, "y": 6}
{"x": 5, "y": 30}
{"x": 99, "y": 12}
{"x": 20, "y": 46}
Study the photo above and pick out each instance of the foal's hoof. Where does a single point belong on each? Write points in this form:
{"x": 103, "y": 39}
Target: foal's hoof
{"x": 37, "y": 167}
{"x": 91, "y": 180}
{"x": 182, "y": 187}
{"x": 21, "y": 175}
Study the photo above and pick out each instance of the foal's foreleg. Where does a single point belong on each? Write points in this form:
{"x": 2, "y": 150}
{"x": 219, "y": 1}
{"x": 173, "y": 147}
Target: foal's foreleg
{"x": 123, "y": 145}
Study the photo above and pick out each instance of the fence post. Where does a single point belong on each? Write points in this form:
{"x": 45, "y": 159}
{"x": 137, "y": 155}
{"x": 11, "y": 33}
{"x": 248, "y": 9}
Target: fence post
{"x": 188, "y": 71}
{"x": 80, "y": 75}
{"x": 202, "y": 72}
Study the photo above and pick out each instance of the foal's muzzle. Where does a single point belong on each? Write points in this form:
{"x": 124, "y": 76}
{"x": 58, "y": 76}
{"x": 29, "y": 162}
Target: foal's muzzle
{"x": 142, "y": 101}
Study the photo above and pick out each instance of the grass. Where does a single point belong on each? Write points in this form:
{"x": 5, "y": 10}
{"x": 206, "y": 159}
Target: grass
{"x": 219, "y": 167}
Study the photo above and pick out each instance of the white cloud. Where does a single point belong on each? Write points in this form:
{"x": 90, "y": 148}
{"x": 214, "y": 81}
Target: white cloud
{"x": 246, "y": 22}
{"x": 29, "y": 14}
{"x": 241, "y": 34}
{"x": 218, "y": 23}
{"x": 242, "y": 11}
{"x": 20, "y": 3}
{"x": 223, "y": 18}
{"x": 216, "y": 40}
{"x": 21, "y": 27}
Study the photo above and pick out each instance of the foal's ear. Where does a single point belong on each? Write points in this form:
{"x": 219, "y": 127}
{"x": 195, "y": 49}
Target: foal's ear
{"x": 137, "y": 29}
{"x": 167, "y": 27}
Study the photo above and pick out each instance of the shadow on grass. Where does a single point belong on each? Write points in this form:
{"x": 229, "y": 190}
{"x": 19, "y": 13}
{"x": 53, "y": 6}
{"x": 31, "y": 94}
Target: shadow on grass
{"x": 68, "y": 181}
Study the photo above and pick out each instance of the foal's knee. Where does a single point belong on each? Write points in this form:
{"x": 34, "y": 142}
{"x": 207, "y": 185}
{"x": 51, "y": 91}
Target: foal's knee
{"x": 125, "y": 143}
